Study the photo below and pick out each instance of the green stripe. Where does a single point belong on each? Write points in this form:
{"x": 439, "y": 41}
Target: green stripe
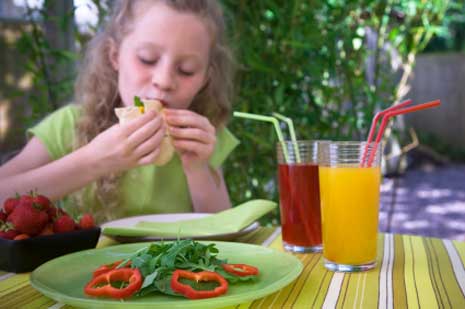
{"x": 420, "y": 292}
{"x": 354, "y": 288}
{"x": 322, "y": 278}
{"x": 355, "y": 284}
{"x": 436, "y": 278}
{"x": 344, "y": 290}
{"x": 450, "y": 292}
{"x": 281, "y": 296}
{"x": 13, "y": 283}
{"x": 287, "y": 293}
{"x": 369, "y": 294}
{"x": 305, "y": 291}
{"x": 258, "y": 236}
{"x": 398, "y": 284}
{"x": 40, "y": 302}
{"x": 20, "y": 297}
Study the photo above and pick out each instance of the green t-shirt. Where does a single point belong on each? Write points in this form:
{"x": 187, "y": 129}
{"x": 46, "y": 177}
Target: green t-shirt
{"x": 147, "y": 189}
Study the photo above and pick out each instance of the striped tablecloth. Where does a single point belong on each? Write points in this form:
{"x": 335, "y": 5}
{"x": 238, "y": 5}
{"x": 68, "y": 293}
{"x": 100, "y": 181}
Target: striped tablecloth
{"x": 413, "y": 272}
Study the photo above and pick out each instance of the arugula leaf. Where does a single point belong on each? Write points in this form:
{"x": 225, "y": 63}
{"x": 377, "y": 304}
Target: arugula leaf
{"x": 138, "y": 102}
{"x": 158, "y": 261}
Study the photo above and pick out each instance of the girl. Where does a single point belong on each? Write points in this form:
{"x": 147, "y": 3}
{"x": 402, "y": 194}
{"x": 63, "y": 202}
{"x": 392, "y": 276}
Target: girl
{"x": 170, "y": 50}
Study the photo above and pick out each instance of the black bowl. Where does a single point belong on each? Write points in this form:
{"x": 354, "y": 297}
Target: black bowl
{"x": 25, "y": 255}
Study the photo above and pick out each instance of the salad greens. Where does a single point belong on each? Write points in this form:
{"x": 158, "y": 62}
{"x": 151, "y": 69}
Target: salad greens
{"x": 138, "y": 102}
{"x": 158, "y": 261}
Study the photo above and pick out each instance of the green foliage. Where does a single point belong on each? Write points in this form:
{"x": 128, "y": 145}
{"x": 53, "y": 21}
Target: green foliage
{"x": 328, "y": 65}
{"x": 453, "y": 36}
{"x": 52, "y": 79}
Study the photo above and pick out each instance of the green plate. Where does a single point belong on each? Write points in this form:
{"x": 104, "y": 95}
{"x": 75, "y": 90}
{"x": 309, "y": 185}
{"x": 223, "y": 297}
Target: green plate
{"x": 63, "y": 279}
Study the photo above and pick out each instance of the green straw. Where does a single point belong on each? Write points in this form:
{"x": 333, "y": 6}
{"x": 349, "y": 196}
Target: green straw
{"x": 275, "y": 123}
{"x": 290, "y": 125}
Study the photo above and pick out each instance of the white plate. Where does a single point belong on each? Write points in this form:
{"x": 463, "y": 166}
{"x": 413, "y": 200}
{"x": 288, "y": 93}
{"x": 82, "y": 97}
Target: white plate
{"x": 132, "y": 221}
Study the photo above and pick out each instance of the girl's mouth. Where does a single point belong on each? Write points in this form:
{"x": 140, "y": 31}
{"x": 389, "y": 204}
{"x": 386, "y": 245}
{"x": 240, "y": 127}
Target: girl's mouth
{"x": 163, "y": 102}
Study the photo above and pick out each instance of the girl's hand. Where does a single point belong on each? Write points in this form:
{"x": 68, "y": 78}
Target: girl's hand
{"x": 125, "y": 146}
{"x": 194, "y": 137}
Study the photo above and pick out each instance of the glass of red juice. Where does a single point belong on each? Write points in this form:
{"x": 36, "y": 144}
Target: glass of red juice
{"x": 299, "y": 195}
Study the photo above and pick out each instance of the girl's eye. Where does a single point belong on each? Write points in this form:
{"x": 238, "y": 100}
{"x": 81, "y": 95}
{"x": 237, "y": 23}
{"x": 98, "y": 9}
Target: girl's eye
{"x": 147, "y": 61}
{"x": 186, "y": 72}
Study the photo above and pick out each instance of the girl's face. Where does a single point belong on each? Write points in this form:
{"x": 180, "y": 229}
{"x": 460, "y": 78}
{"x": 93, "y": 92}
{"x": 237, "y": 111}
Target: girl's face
{"x": 164, "y": 57}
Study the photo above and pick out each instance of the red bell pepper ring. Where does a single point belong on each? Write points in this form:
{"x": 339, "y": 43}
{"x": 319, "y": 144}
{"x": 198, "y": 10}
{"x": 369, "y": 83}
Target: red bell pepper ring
{"x": 241, "y": 270}
{"x": 107, "y": 267}
{"x": 203, "y": 276}
{"x": 130, "y": 278}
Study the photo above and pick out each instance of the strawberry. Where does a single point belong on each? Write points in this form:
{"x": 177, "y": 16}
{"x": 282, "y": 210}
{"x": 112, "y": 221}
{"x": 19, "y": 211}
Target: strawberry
{"x": 86, "y": 221}
{"x": 27, "y": 218}
{"x": 10, "y": 204}
{"x": 7, "y": 231}
{"x": 54, "y": 212}
{"x": 26, "y": 198}
{"x": 42, "y": 200}
{"x": 47, "y": 230}
{"x": 63, "y": 224}
{"x": 3, "y": 216}
{"x": 21, "y": 236}
{"x": 10, "y": 234}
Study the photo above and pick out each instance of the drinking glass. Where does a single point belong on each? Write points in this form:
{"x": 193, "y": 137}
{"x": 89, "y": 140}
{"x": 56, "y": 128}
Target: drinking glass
{"x": 349, "y": 192}
{"x": 299, "y": 195}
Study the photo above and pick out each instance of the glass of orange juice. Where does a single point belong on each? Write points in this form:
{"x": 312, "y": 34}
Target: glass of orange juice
{"x": 349, "y": 192}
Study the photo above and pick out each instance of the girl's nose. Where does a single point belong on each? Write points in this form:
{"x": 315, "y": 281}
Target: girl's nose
{"x": 163, "y": 77}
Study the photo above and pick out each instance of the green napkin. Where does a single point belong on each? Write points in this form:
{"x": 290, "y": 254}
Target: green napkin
{"x": 228, "y": 221}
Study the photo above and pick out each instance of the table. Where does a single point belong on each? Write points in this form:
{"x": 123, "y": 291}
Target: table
{"x": 413, "y": 272}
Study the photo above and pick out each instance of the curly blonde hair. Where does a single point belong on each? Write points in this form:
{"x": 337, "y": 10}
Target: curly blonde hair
{"x": 97, "y": 85}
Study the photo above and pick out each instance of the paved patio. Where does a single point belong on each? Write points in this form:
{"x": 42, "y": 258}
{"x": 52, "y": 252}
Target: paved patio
{"x": 428, "y": 201}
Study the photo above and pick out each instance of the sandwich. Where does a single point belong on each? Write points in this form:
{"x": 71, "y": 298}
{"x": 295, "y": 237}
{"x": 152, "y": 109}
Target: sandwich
{"x": 141, "y": 106}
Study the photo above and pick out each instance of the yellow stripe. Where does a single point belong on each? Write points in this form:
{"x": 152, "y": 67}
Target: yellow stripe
{"x": 34, "y": 302}
{"x": 355, "y": 281}
{"x": 315, "y": 285}
{"x": 369, "y": 287}
{"x": 398, "y": 284}
{"x": 302, "y": 291}
{"x": 105, "y": 241}
{"x": 420, "y": 292}
{"x": 438, "y": 275}
{"x": 42, "y": 302}
{"x": 447, "y": 283}
{"x": 276, "y": 299}
{"x": 13, "y": 283}
{"x": 343, "y": 295}
{"x": 241, "y": 306}
{"x": 277, "y": 244}
{"x": 20, "y": 297}
{"x": 460, "y": 246}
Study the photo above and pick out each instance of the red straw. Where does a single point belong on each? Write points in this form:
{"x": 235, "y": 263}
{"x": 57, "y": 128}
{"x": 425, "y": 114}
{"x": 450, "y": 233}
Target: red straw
{"x": 374, "y": 123}
{"x": 396, "y": 112}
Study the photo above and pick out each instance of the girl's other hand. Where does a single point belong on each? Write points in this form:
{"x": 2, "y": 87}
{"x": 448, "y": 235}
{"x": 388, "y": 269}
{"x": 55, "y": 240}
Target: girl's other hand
{"x": 124, "y": 146}
{"x": 194, "y": 137}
